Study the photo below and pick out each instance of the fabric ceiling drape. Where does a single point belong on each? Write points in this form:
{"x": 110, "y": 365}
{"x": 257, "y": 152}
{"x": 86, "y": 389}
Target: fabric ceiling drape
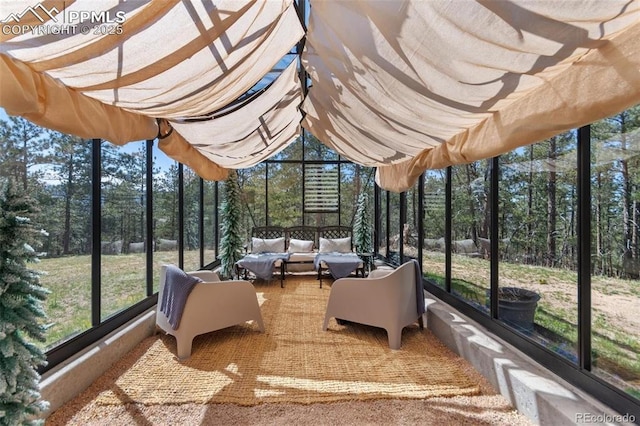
{"x": 411, "y": 85}
{"x": 171, "y": 59}
{"x": 254, "y": 132}
{"x": 404, "y": 85}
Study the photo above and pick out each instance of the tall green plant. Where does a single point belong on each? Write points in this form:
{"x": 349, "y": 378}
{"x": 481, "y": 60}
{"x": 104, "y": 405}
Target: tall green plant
{"x": 21, "y": 313}
{"x": 231, "y": 241}
{"x": 362, "y": 225}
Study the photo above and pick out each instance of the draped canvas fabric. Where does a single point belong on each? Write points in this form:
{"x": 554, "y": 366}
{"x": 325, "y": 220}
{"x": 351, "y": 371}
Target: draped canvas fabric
{"x": 411, "y": 85}
{"x": 259, "y": 129}
{"x": 403, "y": 85}
{"x": 172, "y": 59}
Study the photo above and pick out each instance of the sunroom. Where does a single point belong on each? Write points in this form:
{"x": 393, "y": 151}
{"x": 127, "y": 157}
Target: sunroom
{"x": 493, "y": 143}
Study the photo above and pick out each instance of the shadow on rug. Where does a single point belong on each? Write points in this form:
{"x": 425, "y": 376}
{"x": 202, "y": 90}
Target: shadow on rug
{"x": 293, "y": 361}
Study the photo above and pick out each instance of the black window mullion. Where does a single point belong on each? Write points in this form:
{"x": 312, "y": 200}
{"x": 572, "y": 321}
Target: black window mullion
{"x": 96, "y": 230}
{"x": 266, "y": 194}
{"x": 584, "y": 247}
{"x": 493, "y": 242}
{"x": 447, "y": 230}
{"x": 201, "y": 221}
{"x": 420, "y": 219}
{"x": 181, "y": 216}
{"x": 402, "y": 219}
{"x": 150, "y": 231}
{"x": 377, "y": 225}
{"x": 216, "y": 218}
{"x": 388, "y": 224}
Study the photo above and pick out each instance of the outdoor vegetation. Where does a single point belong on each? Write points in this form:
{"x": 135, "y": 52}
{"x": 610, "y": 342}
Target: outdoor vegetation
{"x": 21, "y": 302}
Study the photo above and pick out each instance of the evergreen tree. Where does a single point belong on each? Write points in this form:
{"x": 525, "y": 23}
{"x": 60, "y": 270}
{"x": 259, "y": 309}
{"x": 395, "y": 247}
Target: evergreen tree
{"x": 362, "y": 225}
{"x": 231, "y": 241}
{"x": 21, "y": 314}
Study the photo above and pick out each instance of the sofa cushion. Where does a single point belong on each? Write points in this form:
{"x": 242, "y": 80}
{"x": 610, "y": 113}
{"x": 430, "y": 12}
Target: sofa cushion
{"x": 264, "y": 245}
{"x": 335, "y": 245}
{"x": 300, "y": 246}
{"x": 302, "y": 257}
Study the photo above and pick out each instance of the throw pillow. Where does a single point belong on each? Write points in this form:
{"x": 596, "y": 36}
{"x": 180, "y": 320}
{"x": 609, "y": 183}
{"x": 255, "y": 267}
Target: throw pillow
{"x": 300, "y": 246}
{"x": 267, "y": 245}
{"x": 335, "y": 245}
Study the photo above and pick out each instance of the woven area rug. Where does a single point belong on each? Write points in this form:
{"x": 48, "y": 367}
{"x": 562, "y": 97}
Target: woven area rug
{"x": 293, "y": 361}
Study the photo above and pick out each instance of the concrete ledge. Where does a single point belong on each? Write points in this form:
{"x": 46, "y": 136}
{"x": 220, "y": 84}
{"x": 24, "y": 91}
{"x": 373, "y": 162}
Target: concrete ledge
{"x": 537, "y": 393}
{"x": 68, "y": 379}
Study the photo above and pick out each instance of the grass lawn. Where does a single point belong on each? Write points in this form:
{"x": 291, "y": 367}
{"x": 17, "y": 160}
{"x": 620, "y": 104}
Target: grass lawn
{"x": 123, "y": 284}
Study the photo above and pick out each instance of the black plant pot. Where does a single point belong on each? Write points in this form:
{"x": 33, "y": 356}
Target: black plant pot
{"x": 517, "y": 306}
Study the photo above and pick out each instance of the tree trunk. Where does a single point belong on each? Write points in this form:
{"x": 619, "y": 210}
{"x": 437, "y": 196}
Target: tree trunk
{"x": 472, "y": 210}
{"x": 626, "y": 186}
{"x": 551, "y": 206}
{"x": 66, "y": 236}
{"x": 25, "y": 163}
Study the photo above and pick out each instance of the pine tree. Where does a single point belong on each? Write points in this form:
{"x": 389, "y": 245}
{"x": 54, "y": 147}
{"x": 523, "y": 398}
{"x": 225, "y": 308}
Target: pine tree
{"x": 362, "y": 225}
{"x": 21, "y": 313}
{"x": 231, "y": 241}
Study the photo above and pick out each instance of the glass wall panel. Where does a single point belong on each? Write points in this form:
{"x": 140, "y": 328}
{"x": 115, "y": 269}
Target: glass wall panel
{"x": 55, "y": 170}
{"x": 395, "y": 228}
{"x": 358, "y": 183}
{"x": 123, "y": 262}
{"x": 321, "y": 194}
{"x": 537, "y": 246}
{"x": 252, "y": 184}
{"x": 433, "y": 258}
{"x": 165, "y": 213}
{"x": 615, "y": 245}
{"x": 210, "y": 232}
{"x": 69, "y": 272}
{"x": 470, "y": 270}
{"x": 293, "y": 152}
{"x": 382, "y": 249}
{"x": 316, "y": 150}
{"x": 191, "y": 213}
{"x": 285, "y": 194}
{"x": 410, "y": 229}
{"x": 350, "y": 186}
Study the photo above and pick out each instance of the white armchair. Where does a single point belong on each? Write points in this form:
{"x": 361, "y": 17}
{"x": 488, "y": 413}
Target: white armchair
{"x": 211, "y": 305}
{"x": 386, "y": 299}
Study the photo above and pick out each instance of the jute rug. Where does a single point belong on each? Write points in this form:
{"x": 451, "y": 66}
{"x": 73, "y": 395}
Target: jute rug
{"x": 293, "y": 361}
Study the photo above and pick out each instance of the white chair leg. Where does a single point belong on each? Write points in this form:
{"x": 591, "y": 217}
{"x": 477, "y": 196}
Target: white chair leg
{"x": 184, "y": 347}
{"x": 325, "y": 325}
{"x": 258, "y": 320}
{"x": 394, "y": 337}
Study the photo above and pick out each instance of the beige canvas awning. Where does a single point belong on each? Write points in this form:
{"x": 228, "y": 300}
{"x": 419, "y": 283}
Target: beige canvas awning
{"x": 165, "y": 59}
{"x": 254, "y": 132}
{"x": 400, "y": 85}
{"x": 411, "y": 85}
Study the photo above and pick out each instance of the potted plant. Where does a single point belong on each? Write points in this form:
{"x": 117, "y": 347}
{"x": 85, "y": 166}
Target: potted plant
{"x": 517, "y": 306}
